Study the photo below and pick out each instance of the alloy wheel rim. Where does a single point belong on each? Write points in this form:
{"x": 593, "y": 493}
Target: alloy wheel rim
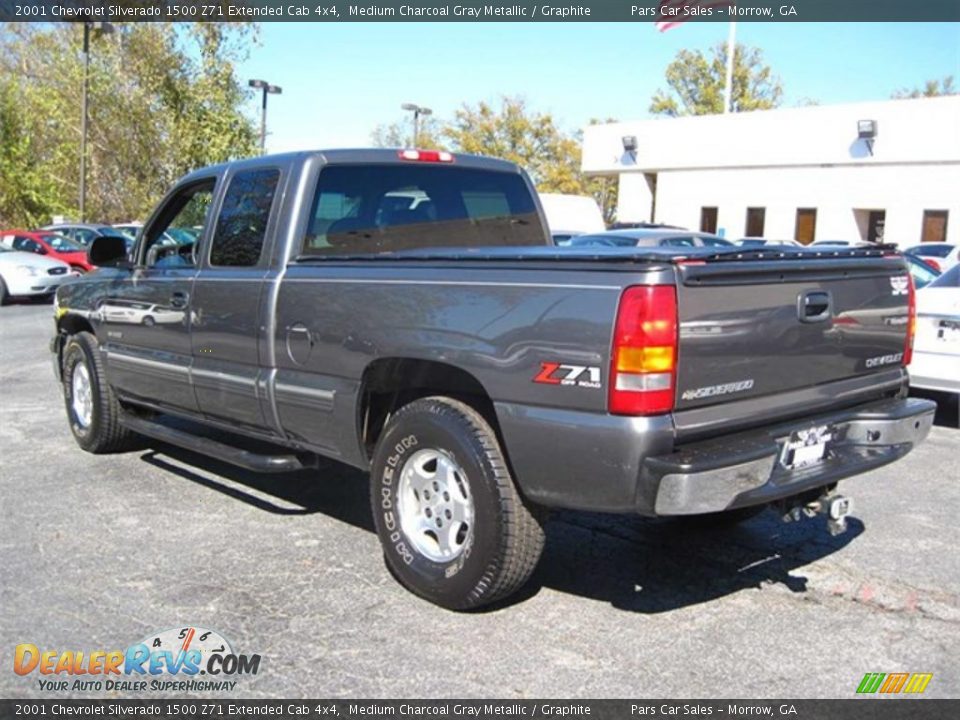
{"x": 82, "y": 395}
{"x": 435, "y": 506}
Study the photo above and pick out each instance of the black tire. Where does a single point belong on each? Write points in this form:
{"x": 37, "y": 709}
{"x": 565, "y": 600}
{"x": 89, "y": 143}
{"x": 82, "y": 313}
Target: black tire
{"x": 149, "y": 321}
{"x": 3, "y": 293}
{"x": 103, "y": 433}
{"x": 504, "y": 546}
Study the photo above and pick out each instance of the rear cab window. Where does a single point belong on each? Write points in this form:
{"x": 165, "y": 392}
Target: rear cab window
{"x": 245, "y": 212}
{"x": 362, "y": 209}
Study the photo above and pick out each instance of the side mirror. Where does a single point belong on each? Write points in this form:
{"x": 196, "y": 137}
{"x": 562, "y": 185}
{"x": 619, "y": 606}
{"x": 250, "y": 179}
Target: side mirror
{"x": 107, "y": 251}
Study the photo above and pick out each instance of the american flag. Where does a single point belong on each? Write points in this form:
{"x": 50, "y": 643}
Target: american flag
{"x": 668, "y": 21}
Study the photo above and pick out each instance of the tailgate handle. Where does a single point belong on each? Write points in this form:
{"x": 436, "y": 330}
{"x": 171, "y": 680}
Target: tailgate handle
{"x": 814, "y": 306}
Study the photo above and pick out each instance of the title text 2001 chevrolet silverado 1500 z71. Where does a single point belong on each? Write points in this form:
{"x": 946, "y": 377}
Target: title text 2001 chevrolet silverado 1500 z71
{"x": 387, "y": 308}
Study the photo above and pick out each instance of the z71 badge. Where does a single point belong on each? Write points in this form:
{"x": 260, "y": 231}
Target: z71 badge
{"x": 552, "y": 373}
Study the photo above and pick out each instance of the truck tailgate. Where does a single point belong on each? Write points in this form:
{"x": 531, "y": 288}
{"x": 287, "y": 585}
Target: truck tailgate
{"x": 759, "y": 327}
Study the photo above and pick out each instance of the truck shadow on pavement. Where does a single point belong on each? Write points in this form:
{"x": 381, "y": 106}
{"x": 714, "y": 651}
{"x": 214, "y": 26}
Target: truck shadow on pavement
{"x": 654, "y": 565}
{"x": 637, "y": 564}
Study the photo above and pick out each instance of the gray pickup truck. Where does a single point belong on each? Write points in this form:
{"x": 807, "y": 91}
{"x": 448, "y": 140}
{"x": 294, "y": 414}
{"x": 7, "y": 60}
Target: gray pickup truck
{"x": 404, "y": 312}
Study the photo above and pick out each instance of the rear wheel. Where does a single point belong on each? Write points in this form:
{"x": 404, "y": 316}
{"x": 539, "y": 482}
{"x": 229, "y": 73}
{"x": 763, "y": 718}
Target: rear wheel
{"x": 92, "y": 409}
{"x": 3, "y": 292}
{"x": 453, "y": 525}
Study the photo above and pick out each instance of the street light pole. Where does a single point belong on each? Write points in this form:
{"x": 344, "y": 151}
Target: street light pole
{"x": 267, "y": 89}
{"x": 104, "y": 28}
{"x": 417, "y": 111}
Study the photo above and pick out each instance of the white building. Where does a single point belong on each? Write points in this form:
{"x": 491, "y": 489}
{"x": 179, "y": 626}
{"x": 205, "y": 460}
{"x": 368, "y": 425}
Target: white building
{"x": 803, "y": 173}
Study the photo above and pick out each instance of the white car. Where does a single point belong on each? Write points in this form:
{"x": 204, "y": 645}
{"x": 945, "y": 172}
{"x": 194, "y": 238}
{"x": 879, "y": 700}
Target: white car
{"x": 936, "y": 344}
{"x": 24, "y": 274}
{"x": 122, "y": 310}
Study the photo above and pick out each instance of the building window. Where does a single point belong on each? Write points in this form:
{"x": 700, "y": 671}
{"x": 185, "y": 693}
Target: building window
{"x": 755, "y": 218}
{"x": 806, "y": 228}
{"x": 934, "y": 226}
{"x": 875, "y": 224}
{"x": 708, "y": 219}
{"x": 870, "y": 223}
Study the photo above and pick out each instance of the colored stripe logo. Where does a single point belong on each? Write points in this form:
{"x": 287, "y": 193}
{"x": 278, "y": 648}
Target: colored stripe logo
{"x": 894, "y": 683}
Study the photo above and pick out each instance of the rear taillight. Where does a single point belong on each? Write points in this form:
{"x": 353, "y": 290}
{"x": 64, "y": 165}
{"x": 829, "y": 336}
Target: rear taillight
{"x": 426, "y": 156}
{"x": 643, "y": 359}
{"x": 911, "y": 320}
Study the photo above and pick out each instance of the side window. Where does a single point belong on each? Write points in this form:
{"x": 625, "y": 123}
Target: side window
{"x": 164, "y": 245}
{"x": 242, "y": 224}
{"x": 29, "y": 245}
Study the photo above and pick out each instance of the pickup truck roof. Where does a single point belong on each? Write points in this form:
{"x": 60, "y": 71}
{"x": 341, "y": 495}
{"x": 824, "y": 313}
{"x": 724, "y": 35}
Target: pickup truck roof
{"x": 346, "y": 156}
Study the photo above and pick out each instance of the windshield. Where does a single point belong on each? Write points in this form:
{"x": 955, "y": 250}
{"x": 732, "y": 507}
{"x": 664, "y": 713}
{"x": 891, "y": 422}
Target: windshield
{"x": 61, "y": 243}
{"x": 950, "y": 279}
{"x": 603, "y": 240}
{"x": 711, "y": 241}
{"x": 940, "y": 251}
{"x": 922, "y": 273}
{"x": 113, "y": 232}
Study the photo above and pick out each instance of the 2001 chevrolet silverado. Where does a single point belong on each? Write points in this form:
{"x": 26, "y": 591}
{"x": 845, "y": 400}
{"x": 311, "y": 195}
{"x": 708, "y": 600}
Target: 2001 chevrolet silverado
{"x": 390, "y": 309}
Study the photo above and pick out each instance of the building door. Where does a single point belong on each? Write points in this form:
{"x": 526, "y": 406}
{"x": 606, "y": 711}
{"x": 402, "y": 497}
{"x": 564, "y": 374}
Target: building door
{"x": 806, "y": 227}
{"x": 708, "y": 219}
{"x": 875, "y": 224}
{"x": 934, "y": 226}
{"x": 755, "y": 219}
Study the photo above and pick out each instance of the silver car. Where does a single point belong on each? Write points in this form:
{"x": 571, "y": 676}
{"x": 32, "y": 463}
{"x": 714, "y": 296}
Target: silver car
{"x": 24, "y": 274}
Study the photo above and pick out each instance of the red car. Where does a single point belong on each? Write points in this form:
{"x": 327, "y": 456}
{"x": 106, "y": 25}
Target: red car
{"x": 51, "y": 244}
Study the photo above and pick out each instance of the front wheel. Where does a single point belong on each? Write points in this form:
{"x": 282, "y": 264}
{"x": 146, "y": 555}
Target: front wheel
{"x": 92, "y": 409}
{"x": 453, "y": 525}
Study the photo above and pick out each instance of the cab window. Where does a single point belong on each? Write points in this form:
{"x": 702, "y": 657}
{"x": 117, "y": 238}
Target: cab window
{"x": 242, "y": 223}
{"x": 164, "y": 245}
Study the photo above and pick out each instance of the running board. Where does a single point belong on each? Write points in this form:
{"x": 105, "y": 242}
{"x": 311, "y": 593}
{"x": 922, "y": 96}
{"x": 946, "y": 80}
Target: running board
{"x": 215, "y": 449}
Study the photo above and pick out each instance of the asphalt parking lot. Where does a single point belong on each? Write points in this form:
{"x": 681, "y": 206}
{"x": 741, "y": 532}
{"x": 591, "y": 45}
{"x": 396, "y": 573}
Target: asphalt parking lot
{"x": 97, "y": 552}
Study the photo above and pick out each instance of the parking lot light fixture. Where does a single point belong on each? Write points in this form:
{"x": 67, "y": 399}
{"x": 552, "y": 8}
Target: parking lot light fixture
{"x": 417, "y": 111}
{"x": 267, "y": 89}
{"x": 101, "y": 28}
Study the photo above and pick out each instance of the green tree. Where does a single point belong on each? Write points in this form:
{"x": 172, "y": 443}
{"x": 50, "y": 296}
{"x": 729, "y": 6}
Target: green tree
{"x": 931, "y": 88}
{"x": 515, "y": 133}
{"x": 696, "y": 83}
{"x": 164, "y": 99}
{"x": 400, "y": 134}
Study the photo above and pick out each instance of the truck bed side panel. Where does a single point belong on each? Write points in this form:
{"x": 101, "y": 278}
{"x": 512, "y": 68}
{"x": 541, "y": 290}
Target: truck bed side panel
{"x": 500, "y": 327}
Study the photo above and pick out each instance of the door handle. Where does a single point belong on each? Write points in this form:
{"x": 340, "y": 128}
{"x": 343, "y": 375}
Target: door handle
{"x": 814, "y": 306}
{"x": 179, "y": 300}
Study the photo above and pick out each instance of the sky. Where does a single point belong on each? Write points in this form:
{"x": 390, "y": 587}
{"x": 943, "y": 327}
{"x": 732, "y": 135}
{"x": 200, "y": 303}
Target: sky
{"x": 340, "y": 80}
